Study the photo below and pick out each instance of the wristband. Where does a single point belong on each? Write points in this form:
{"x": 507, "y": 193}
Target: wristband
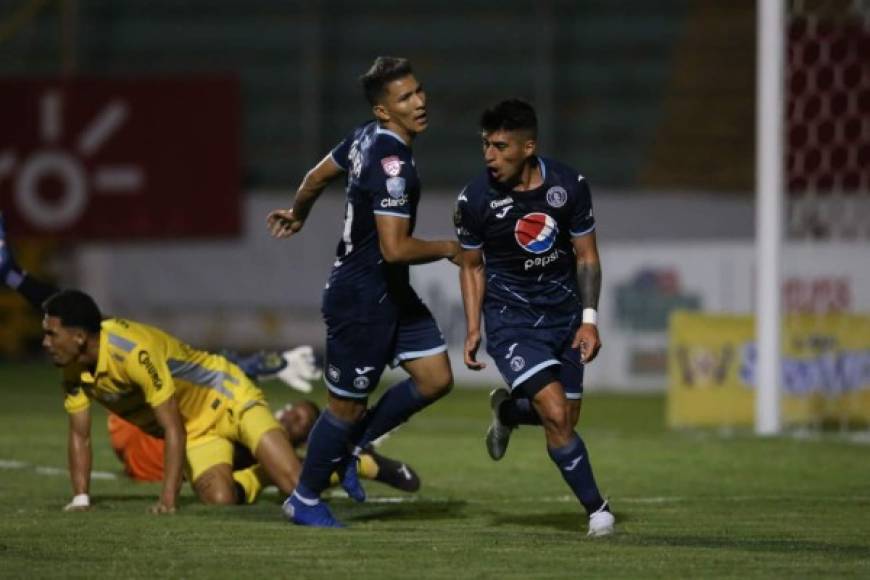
{"x": 590, "y": 316}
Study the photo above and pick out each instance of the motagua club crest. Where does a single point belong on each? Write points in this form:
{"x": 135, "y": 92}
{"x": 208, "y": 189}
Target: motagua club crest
{"x": 557, "y": 196}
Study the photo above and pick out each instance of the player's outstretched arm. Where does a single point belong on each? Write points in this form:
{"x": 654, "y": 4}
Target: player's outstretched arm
{"x": 589, "y": 284}
{"x": 175, "y": 441}
{"x": 283, "y": 223}
{"x": 472, "y": 282}
{"x": 398, "y": 246}
{"x": 79, "y": 456}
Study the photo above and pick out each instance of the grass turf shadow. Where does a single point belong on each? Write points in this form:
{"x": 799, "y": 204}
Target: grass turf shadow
{"x": 418, "y": 510}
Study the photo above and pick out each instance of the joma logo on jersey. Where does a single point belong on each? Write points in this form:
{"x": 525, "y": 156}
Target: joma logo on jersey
{"x": 145, "y": 361}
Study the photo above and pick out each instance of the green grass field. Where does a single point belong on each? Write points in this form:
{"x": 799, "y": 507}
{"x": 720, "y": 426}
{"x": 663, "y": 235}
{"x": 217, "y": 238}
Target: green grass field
{"x": 691, "y": 505}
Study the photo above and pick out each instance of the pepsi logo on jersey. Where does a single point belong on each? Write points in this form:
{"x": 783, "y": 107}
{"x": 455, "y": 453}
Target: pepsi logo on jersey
{"x": 536, "y": 232}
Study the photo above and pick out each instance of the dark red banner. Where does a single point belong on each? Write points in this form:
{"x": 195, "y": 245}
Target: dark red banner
{"x": 120, "y": 158}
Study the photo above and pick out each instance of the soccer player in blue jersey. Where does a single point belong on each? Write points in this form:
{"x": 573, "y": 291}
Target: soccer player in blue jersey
{"x": 372, "y": 314}
{"x": 530, "y": 265}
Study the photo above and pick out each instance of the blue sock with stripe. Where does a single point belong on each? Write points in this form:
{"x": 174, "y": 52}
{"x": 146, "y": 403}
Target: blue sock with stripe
{"x": 576, "y": 469}
{"x": 327, "y": 449}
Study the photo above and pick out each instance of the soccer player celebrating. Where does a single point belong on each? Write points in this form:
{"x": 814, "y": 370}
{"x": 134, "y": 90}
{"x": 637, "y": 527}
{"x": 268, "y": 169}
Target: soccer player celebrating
{"x": 530, "y": 265}
{"x": 372, "y": 314}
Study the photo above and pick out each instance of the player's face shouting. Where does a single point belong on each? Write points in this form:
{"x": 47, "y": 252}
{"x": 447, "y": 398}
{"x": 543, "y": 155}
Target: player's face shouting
{"x": 404, "y": 106}
{"x": 506, "y": 153}
{"x": 62, "y": 344}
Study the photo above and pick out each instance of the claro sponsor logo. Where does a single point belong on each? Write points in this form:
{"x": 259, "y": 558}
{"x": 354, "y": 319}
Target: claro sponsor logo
{"x": 145, "y": 361}
{"x": 387, "y": 202}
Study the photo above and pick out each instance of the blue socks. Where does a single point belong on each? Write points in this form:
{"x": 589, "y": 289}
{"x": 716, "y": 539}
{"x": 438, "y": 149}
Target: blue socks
{"x": 327, "y": 449}
{"x": 576, "y": 469}
{"x": 394, "y": 407}
{"x": 329, "y": 439}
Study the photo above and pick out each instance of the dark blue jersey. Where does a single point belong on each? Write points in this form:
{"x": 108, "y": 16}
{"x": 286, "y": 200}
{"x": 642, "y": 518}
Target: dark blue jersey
{"x": 381, "y": 179}
{"x": 526, "y": 236}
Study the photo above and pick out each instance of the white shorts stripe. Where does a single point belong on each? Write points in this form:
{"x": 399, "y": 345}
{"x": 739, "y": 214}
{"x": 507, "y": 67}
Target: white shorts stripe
{"x": 541, "y": 365}
{"x": 418, "y": 354}
{"x": 343, "y": 393}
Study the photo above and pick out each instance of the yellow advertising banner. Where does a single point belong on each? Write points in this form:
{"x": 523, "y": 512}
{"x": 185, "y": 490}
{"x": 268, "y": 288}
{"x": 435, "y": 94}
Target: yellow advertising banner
{"x": 712, "y": 370}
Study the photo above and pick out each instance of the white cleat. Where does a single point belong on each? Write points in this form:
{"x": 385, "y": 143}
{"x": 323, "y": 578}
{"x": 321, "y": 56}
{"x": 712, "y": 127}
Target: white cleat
{"x": 601, "y": 523}
{"x": 301, "y": 369}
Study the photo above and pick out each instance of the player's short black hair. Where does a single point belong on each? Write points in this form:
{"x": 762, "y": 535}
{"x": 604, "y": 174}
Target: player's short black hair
{"x": 510, "y": 115}
{"x": 75, "y": 309}
{"x": 384, "y": 70}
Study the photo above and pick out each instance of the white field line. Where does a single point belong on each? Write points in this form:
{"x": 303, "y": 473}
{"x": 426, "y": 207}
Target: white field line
{"x": 10, "y": 464}
{"x": 48, "y": 470}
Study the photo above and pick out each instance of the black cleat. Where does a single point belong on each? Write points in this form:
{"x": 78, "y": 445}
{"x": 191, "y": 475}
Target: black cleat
{"x": 498, "y": 435}
{"x": 395, "y": 473}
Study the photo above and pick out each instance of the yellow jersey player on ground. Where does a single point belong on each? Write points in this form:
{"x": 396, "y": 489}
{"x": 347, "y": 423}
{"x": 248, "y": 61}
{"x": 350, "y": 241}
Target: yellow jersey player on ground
{"x": 199, "y": 403}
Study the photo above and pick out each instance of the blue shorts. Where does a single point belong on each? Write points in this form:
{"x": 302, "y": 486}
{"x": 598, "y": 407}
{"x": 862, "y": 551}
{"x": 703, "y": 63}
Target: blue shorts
{"x": 524, "y": 342}
{"x": 362, "y": 339}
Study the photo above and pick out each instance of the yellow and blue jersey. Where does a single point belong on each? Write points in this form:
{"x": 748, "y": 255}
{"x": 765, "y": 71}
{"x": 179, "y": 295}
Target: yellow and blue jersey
{"x": 140, "y": 367}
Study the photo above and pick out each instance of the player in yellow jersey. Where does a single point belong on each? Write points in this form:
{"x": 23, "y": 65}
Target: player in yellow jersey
{"x": 199, "y": 403}
{"x": 142, "y": 454}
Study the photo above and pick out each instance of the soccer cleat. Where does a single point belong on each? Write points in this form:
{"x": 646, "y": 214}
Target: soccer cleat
{"x": 498, "y": 435}
{"x": 300, "y": 370}
{"x": 7, "y": 262}
{"x": 395, "y": 473}
{"x": 303, "y": 514}
{"x": 601, "y": 522}
{"x": 264, "y": 364}
{"x": 350, "y": 481}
